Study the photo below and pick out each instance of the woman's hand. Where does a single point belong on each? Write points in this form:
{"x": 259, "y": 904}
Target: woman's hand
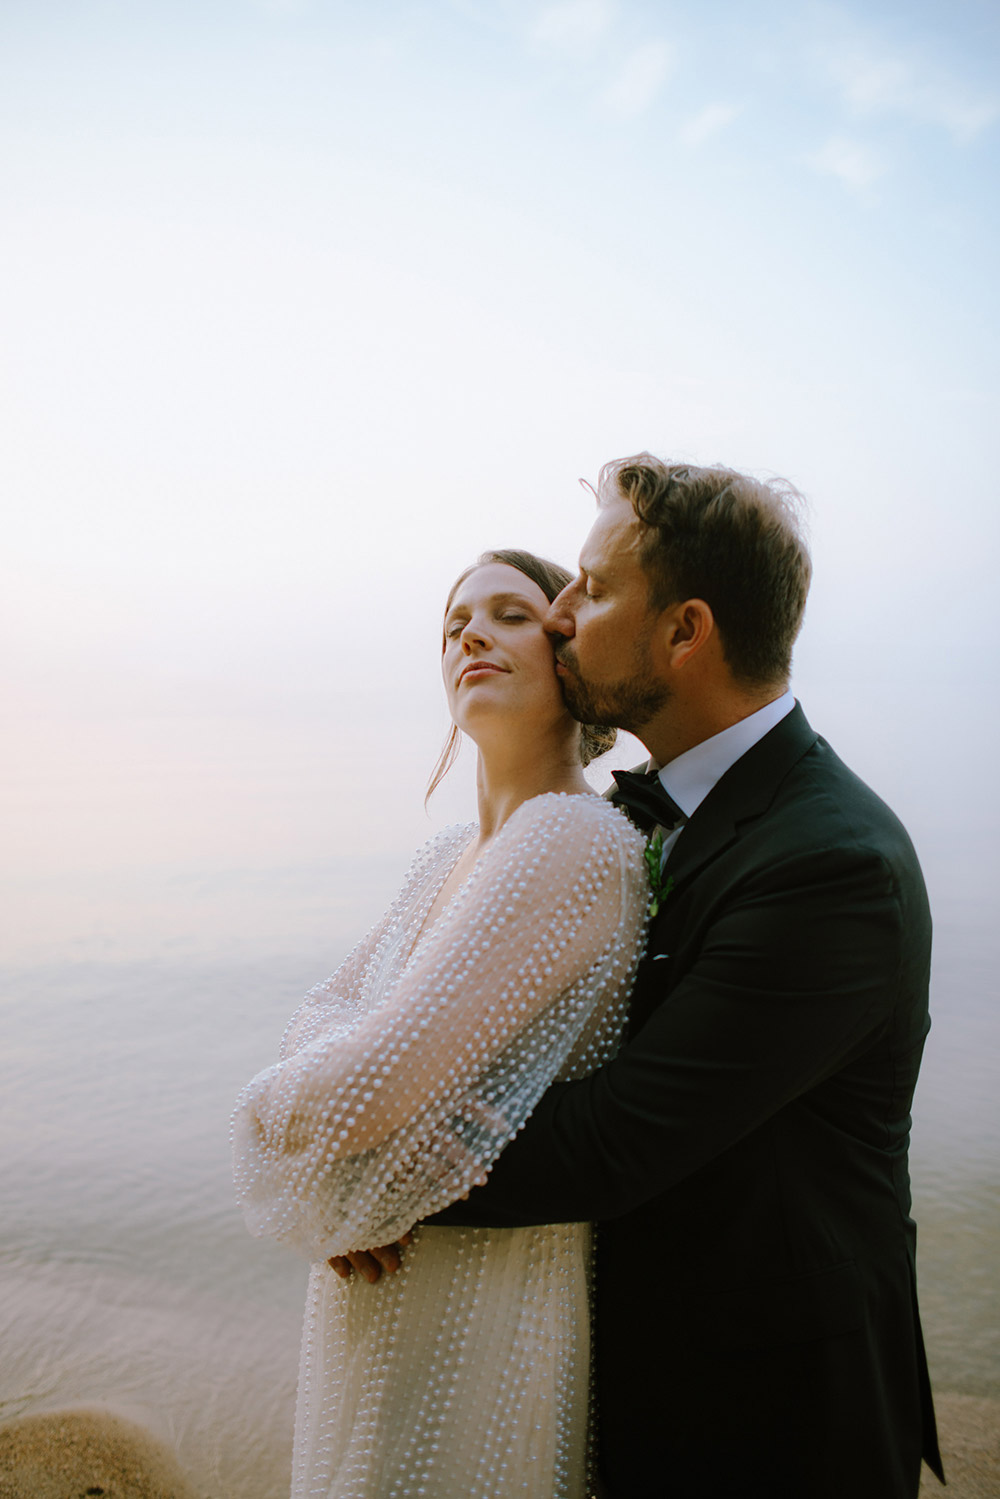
{"x": 369, "y": 1263}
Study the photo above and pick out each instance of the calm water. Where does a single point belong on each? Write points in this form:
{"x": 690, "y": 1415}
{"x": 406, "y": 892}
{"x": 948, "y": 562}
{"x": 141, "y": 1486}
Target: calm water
{"x": 128, "y": 1277}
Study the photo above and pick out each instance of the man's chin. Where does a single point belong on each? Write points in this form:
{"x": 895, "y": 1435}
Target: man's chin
{"x": 578, "y": 703}
{"x": 630, "y": 709}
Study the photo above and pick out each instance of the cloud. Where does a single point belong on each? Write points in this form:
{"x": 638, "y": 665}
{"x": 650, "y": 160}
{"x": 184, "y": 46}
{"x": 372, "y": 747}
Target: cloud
{"x": 638, "y": 79}
{"x": 707, "y": 122}
{"x": 873, "y": 85}
{"x": 572, "y": 25}
{"x": 854, "y": 163}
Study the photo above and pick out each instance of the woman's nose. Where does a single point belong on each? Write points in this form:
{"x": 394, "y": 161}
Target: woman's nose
{"x": 473, "y": 634}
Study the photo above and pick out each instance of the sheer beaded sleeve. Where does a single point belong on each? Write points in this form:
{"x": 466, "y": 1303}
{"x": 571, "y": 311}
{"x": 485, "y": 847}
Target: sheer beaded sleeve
{"x": 333, "y": 1006}
{"x": 409, "y": 1091}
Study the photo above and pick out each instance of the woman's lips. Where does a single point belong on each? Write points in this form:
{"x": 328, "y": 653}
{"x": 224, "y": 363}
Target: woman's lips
{"x": 479, "y": 668}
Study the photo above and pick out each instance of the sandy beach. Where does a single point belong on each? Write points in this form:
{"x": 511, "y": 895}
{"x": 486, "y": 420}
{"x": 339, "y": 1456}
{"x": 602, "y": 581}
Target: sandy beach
{"x": 75, "y": 1454}
{"x": 969, "y": 1432}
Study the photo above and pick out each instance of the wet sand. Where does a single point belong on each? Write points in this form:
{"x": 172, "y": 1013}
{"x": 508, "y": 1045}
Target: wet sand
{"x": 969, "y": 1432}
{"x": 83, "y": 1454}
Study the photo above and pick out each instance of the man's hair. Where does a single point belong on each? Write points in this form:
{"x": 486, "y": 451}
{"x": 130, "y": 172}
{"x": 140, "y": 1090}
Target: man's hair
{"x": 734, "y": 541}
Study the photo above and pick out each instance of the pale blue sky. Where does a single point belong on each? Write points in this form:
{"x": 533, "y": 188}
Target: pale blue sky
{"x": 306, "y": 303}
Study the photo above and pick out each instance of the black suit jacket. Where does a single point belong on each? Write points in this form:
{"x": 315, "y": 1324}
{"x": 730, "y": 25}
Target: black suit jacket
{"x": 745, "y": 1154}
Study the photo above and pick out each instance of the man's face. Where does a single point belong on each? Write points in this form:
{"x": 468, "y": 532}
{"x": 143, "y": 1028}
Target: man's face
{"x": 605, "y": 656}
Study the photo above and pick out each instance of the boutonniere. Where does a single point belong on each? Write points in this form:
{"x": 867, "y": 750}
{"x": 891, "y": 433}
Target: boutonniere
{"x": 661, "y": 887}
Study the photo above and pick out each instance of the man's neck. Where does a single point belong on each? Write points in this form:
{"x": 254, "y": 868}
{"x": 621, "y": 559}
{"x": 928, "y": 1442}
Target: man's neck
{"x": 680, "y": 726}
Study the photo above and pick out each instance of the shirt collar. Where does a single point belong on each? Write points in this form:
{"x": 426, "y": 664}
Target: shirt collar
{"x": 690, "y": 777}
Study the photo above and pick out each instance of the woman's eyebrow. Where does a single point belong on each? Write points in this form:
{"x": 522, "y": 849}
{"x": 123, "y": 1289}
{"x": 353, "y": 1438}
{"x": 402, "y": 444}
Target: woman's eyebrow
{"x": 494, "y": 599}
{"x": 511, "y": 598}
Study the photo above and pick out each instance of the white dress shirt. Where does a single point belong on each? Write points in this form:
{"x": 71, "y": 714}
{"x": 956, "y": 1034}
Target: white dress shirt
{"x": 690, "y": 777}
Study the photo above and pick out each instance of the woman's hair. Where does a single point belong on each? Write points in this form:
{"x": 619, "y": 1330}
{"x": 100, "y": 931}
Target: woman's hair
{"x": 551, "y": 579}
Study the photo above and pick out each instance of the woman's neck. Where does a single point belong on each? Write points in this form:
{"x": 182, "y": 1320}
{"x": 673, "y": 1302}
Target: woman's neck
{"x": 505, "y": 778}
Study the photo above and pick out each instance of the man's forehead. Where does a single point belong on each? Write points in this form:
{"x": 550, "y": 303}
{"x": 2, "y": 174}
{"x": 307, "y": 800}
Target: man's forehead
{"x": 614, "y": 538}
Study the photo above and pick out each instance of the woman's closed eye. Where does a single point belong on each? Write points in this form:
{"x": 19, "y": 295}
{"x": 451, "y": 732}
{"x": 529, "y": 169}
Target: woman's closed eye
{"x": 503, "y": 616}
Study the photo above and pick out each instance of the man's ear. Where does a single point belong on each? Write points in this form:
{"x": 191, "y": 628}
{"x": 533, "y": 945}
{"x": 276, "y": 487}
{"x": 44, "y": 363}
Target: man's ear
{"x": 688, "y": 629}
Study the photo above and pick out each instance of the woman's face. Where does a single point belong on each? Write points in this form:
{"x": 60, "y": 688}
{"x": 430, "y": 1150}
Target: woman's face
{"x": 497, "y": 657}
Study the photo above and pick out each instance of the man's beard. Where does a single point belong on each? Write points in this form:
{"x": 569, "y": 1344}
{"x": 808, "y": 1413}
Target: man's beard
{"x": 627, "y": 704}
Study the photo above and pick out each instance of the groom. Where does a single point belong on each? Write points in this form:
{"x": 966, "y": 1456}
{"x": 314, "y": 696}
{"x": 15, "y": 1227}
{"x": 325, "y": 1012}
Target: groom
{"x": 745, "y": 1154}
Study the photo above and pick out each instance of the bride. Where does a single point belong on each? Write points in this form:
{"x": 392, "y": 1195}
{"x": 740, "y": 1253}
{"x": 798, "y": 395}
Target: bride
{"x": 504, "y": 962}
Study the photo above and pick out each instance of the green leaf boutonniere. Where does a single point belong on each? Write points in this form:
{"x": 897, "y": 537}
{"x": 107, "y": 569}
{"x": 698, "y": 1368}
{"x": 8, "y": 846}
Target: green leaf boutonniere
{"x": 661, "y": 887}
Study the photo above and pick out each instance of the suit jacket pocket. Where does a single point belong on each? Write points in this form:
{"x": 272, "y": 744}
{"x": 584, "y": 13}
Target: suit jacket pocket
{"x": 822, "y": 1304}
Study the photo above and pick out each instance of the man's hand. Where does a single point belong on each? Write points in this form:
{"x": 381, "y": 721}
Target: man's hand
{"x": 369, "y": 1263}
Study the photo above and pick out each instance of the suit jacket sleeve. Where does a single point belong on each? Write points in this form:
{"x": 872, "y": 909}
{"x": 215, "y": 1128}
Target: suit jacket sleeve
{"x": 798, "y": 973}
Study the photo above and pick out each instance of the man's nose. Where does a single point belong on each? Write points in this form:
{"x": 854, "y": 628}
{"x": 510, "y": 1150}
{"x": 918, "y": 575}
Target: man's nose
{"x": 559, "y": 619}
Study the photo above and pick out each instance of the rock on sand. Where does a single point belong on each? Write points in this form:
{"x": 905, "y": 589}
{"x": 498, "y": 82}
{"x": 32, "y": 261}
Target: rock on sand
{"x": 86, "y": 1454}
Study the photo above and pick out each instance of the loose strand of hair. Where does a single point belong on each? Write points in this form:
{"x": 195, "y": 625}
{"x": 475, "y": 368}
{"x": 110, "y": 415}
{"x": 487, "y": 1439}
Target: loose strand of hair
{"x": 445, "y": 761}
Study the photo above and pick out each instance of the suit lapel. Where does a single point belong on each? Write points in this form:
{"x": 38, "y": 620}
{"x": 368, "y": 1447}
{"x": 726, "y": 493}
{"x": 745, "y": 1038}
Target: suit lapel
{"x": 746, "y": 790}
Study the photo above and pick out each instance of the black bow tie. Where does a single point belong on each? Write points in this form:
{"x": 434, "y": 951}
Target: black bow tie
{"x": 645, "y": 799}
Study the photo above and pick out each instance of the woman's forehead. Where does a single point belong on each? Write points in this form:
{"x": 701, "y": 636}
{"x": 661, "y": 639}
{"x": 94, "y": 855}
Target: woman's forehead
{"x": 493, "y": 578}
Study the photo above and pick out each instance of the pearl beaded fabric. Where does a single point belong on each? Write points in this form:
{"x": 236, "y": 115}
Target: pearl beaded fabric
{"x": 400, "y": 1079}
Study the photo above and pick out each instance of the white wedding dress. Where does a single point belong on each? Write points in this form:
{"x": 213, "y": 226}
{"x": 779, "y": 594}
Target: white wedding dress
{"x": 401, "y": 1078}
